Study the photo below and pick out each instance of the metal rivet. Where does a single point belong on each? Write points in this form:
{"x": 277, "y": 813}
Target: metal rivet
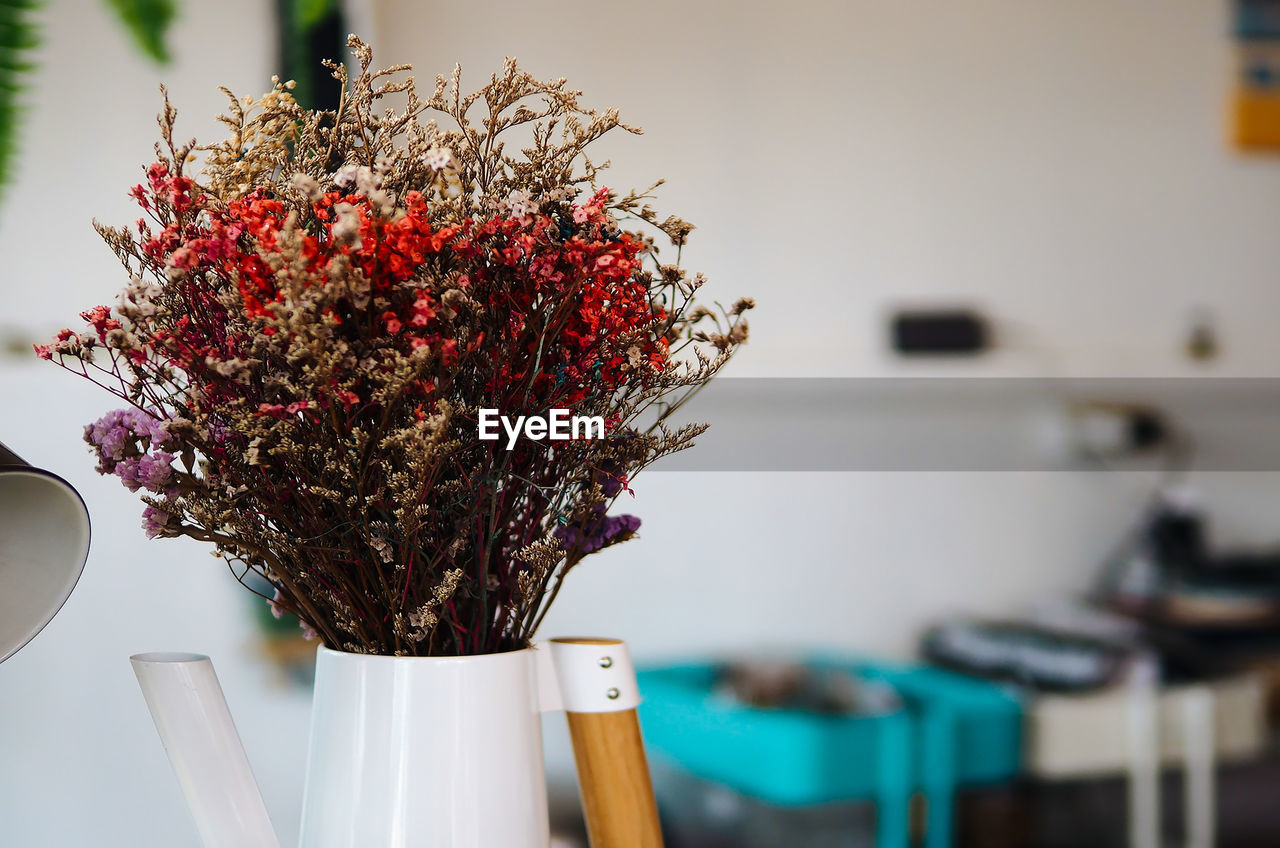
{"x": 613, "y": 694}
{"x": 606, "y": 662}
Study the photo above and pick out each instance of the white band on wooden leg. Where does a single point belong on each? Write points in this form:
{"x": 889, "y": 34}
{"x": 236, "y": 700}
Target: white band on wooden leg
{"x": 591, "y": 676}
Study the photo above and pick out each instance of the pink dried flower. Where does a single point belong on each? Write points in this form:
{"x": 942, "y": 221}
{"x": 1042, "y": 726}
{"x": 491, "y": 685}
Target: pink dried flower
{"x": 154, "y": 521}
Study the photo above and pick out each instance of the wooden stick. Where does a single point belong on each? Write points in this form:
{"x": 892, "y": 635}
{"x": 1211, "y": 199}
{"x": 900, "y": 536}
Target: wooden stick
{"x": 613, "y": 772}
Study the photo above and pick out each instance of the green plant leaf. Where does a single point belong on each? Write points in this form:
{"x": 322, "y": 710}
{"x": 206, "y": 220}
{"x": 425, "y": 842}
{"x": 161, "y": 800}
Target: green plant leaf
{"x": 18, "y": 38}
{"x": 148, "y": 22}
{"x": 308, "y": 13}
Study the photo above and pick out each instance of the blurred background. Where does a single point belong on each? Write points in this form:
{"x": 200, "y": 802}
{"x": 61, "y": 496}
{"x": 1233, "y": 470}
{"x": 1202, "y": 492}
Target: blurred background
{"x": 1061, "y": 218}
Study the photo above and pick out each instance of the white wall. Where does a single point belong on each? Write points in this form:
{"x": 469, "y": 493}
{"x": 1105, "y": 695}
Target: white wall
{"x": 1062, "y": 163}
{"x": 1059, "y": 163}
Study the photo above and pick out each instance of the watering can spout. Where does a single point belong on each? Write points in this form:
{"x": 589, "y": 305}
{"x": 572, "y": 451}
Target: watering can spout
{"x": 191, "y": 715}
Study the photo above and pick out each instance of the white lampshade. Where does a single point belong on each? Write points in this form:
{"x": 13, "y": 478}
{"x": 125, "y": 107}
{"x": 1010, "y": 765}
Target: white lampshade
{"x": 44, "y": 541}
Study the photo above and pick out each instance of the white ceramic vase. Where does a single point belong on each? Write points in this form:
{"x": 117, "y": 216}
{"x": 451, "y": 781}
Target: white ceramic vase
{"x": 410, "y": 752}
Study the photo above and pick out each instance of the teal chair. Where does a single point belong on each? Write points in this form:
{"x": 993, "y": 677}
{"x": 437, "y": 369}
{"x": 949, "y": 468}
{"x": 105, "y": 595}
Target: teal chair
{"x": 947, "y": 731}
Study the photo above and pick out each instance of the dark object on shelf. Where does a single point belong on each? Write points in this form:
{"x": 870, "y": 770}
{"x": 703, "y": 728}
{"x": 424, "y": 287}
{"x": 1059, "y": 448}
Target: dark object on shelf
{"x": 1177, "y": 539}
{"x": 958, "y": 332}
{"x": 1147, "y": 429}
{"x": 1202, "y": 340}
{"x": 1167, "y": 576}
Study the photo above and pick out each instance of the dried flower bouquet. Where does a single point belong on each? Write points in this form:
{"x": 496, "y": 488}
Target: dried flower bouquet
{"x": 315, "y": 319}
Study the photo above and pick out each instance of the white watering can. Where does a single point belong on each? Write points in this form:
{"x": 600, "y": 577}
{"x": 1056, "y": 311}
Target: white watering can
{"x": 420, "y": 752}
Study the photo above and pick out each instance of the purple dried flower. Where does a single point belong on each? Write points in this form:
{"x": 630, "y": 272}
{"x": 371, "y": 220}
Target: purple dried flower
{"x": 277, "y": 611}
{"x": 123, "y": 440}
{"x": 154, "y": 521}
{"x": 217, "y": 431}
{"x": 617, "y": 525}
{"x": 610, "y": 485}
{"x": 155, "y": 471}
{"x": 149, "y": 471}
{"x": 109, "y": 435}
{"x": 127, "y": 471}
{"x": 601, "y": 531}
{"x": 611, "y": 481}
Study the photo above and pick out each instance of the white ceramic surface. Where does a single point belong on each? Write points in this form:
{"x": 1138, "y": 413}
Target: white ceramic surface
{"x": 191, "y": 715}
{"x": 413, "y": 752}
